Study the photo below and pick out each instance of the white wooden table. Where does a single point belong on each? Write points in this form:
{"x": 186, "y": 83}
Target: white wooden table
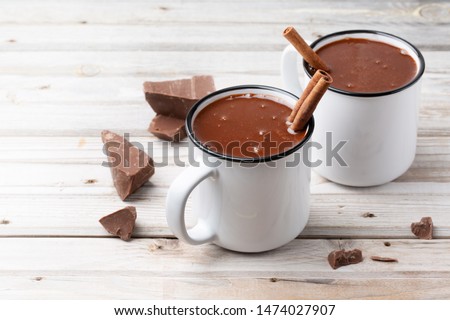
{"x": 70, "y": 69}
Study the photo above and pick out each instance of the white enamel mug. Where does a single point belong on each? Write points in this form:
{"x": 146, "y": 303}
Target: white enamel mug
{"x": 247, "y": 205}
{"x": 380, "y": 129}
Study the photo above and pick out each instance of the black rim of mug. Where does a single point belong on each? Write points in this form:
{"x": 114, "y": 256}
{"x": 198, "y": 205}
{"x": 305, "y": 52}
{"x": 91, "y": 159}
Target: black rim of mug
{"x": 372, "y": 94}
{"x": 278, "y": 156}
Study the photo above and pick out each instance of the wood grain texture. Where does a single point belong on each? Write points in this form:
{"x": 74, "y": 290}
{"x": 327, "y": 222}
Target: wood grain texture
{"x": 64, "y": 170}
{"x": 69, "y": 70}
{"x": 75, "y": 90}
{"x": 182, "y": 37}
{"x": 161, "y": 268}
{"x": 331, "y": 216}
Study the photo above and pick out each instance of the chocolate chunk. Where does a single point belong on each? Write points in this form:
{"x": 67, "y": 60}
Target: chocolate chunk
{"x": 383, "y": 259}
{"x": 130, "y": 166}
{"x": 174, "y": 99}
{"x": 120, "y": 223}
{"x": 168, "y": 128}
{"x": 423, "y": 229}
{"x": 339, "y": 258}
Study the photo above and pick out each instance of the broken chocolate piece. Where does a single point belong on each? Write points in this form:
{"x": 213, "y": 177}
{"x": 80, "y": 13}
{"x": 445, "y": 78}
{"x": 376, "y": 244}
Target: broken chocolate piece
{"x": 130, "y": 166}
{"x": 168, "y": 128}
{"x": 174, "y": 99}
{"x": 120, "y": 223}
{"x": 383, "y": 259}
{"x": 339, "y": 258}
{"x": 423, "y": 229}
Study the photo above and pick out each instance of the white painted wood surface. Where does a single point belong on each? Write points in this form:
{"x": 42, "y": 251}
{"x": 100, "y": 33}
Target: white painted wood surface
{"x": 69, "y": 70}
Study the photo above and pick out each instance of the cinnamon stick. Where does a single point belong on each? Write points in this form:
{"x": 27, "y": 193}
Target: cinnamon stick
{"x": 304, "y": 49}
{"x": 311, "y": 84}
{"x": 310, "y": 103}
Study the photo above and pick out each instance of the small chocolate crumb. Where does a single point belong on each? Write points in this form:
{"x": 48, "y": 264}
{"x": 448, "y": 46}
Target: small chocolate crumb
{"x": 273, "y": 280}
{"x": 383, "y": 259}
{"x": 163, "y": 8}
{"x": 38, "y": 278}
{"x": 423, "y": 229}
{"x": 368, "y": 215}
{"x": 4, "y": 221}
{"x": 12, "y": 41}
{"x": 83, "y": 22}
{"x": 90, "y": 181}
{"x": 44, "y": 87}
{"x": 387, "y": 243}
{"x": 339, "y": 258}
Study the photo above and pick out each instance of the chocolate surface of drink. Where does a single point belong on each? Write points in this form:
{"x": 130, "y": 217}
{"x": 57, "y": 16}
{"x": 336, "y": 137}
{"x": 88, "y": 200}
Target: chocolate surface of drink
{"x": 246, "y": 126}
{"x": 367, "y": 66}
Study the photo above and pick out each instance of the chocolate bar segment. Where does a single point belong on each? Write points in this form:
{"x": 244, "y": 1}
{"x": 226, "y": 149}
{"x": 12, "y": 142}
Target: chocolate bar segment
{"x": 130, "y": 166}
{"x": 168, "y": 128}
{"x": 340, "y": 258}
{"x": 173, "y": 100}
{"x": 423, "y": 229}
{"x": 120, "y": 223}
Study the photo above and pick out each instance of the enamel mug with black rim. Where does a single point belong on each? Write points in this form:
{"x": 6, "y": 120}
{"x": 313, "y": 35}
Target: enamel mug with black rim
{"x": 246, "y": 205}
{"x": 377, "y": 132}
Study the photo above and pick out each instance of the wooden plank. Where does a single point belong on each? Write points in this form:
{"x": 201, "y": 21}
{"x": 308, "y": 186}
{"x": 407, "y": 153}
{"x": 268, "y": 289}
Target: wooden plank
{"x": 137, "y": 64}
{"x": 347, "y": 15}
{"x": 184, "y": 37}
{"x": 114, "y": 90}
{"x": 161, "y": 268}
{"x": 123, "y": 286}
{"x": 71, "y": 212}
{"x": 142, "y": 65}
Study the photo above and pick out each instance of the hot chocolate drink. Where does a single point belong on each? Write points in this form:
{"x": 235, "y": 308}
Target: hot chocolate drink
{"x": 367, "y": 66}
{"x": 246, "y": 126}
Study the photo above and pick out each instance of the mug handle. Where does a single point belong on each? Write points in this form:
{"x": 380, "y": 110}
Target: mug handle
{"x": 177, "y": 196}
{"x": 289, "y": 71}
